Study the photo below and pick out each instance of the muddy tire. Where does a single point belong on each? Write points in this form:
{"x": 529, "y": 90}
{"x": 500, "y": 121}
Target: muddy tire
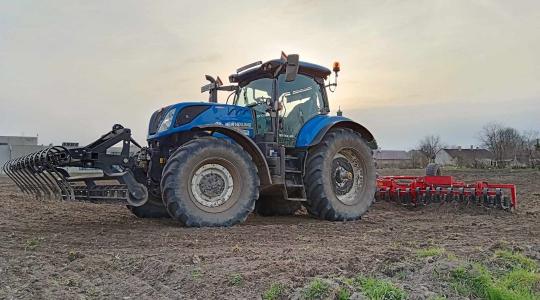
{"x": 340, "y": 177}
{"x": 271, "y": 205}
{"x": 210, "y": 182}
{"x": 433, "y": 169}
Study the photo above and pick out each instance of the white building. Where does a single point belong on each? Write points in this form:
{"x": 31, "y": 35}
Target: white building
{"x": 472, "y": 158}
{"x": 17, "y": 146}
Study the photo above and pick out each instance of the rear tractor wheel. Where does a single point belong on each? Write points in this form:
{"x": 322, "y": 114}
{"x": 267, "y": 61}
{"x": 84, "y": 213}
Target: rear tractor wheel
{"x": 210, "y": 182}
{"x": 340, "y": 177}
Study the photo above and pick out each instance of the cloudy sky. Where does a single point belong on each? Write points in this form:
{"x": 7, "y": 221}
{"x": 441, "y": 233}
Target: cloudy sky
{"x": 71, "y": 69}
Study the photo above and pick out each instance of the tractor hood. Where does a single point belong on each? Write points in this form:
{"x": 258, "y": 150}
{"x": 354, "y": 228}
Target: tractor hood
{"x": 186, "y": 115}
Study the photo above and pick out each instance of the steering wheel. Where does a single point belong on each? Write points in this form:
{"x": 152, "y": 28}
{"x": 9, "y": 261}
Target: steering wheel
{"x": 260, "y": 101}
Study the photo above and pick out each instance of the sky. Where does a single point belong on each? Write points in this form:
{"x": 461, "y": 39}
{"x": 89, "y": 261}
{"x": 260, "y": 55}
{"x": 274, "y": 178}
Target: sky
{"x": 69, "y": 70}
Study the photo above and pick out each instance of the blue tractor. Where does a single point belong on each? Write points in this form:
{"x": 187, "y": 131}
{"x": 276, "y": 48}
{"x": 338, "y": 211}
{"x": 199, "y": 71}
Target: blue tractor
{"x": 271, "y": 150}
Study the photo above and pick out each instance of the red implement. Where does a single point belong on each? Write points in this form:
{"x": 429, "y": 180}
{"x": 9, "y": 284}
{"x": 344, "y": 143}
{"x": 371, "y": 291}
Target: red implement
{"x": 422, "y": 190}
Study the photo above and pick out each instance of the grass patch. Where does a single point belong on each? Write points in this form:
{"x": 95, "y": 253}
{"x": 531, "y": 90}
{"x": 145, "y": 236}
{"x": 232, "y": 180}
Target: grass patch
{"x": 516, "y": 260}
{"x": 236, "y": 279}
{"x": 274, "y": 292}
{"x": 317, "y": 289}
{"x": 430, "y": 252}
{"x": 451, "y": 256}
{"x": 33, "y": 243}
{"x": 196, "y": 273}
{"x": 379, "y": 289}
{"x": 478, "y": 281}
{"x": 343, "y": 294}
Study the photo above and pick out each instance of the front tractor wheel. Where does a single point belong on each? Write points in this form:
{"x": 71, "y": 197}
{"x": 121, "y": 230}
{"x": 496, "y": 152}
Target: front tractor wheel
{"x": 340, "y": 177}
{"x": 210, "y": 182}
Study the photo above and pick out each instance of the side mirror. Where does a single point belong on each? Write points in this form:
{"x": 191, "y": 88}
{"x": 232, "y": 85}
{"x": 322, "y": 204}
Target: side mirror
{"x": 292, "y": 67}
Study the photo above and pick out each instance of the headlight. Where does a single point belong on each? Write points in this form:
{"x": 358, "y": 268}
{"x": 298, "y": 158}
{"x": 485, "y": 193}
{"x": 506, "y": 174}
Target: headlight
{"x": 167, "y": 121}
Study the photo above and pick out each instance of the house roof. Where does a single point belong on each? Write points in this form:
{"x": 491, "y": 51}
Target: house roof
{"x": 470, "y": 154}
{"x": 392, "y": 155}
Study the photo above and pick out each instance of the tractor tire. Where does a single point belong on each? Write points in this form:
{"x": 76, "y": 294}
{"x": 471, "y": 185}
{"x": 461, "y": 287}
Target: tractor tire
{"x": 210, "y": 182}
{"x": 340, "y": 177}
{"x": 433, "y": 169}
{"x": 272, "y": 205}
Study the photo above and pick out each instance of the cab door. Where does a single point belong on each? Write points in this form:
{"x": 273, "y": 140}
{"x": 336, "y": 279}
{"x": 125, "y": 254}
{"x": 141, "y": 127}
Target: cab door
{"x": 300, "y": 100}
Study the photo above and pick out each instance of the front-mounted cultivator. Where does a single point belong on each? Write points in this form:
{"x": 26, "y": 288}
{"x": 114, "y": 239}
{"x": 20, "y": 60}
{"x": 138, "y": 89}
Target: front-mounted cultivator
{"x": 423, "y": 190}
{"x": 43, "y": 174}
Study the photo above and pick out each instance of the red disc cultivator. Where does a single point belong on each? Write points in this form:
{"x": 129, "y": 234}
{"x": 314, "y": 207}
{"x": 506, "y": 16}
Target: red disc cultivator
{"x": 423, "y": 190}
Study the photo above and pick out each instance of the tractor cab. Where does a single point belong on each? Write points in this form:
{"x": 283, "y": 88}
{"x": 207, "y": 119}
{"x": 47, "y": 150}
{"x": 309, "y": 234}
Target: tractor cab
{"x": 291, "y": 103}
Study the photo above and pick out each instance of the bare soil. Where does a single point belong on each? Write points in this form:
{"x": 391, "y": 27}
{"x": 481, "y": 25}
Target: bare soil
{"x": 74, "y": 250}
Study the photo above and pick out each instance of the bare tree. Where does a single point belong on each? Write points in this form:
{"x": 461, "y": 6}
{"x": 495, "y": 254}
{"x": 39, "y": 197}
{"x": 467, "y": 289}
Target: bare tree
{"x": 430, "y": 145}
{"x": 504, "y": 142}
{"x": 531, "y": 146}
{"x": 418, "y": 159}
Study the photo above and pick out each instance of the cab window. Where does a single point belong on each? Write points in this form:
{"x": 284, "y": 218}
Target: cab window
{"x": 257, "y": 91}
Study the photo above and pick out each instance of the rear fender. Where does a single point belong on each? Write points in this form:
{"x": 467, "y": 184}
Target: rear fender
{"x": 247, "y": 144}
{"x": 314, "y": 130}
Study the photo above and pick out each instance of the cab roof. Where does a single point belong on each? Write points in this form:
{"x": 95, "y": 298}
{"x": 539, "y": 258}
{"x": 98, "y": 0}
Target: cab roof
{"x": 268, "y": 68}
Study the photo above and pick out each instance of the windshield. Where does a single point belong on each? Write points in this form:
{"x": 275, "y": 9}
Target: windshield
{"x": 257, "y": 91}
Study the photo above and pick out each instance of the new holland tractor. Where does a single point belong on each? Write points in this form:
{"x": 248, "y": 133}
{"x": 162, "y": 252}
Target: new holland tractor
{"x": 273, "y": 149}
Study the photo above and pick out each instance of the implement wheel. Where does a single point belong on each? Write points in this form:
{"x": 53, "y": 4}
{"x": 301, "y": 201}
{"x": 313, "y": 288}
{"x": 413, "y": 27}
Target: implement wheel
{"x": 340, "y": 177}
{"x": 154, "y": 208}
{"x": 210, "y": 182}
{"x": 273, "y": 205}
{"x": 433, "y": 169}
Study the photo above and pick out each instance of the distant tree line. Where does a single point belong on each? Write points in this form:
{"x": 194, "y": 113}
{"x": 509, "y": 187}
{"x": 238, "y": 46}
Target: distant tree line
{"x": 507, "y": 144}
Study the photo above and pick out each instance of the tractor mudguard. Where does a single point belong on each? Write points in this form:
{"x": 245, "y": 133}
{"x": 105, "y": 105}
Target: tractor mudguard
{"x": 314, "y": 130}
{"x": 247, "y": 144}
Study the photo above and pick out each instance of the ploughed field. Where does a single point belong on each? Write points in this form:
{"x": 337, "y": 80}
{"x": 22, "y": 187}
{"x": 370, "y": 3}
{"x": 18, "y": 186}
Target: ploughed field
{"x": 52, "y": 249}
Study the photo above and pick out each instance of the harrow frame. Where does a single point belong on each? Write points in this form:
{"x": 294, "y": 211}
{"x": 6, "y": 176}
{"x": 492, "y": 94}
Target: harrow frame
{"x": 422, "y": 190}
